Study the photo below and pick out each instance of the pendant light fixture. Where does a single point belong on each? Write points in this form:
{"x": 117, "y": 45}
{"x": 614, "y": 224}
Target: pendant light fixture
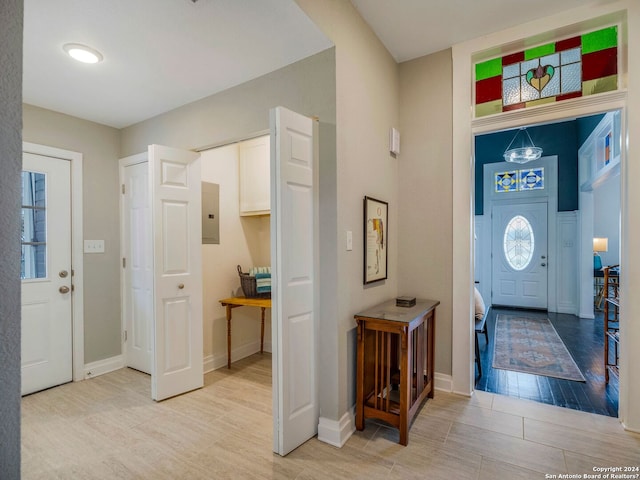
{"x": 526, "y": 152}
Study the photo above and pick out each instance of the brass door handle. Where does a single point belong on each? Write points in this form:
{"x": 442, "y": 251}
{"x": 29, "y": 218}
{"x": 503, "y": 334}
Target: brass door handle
{"x": 64, "y": 289}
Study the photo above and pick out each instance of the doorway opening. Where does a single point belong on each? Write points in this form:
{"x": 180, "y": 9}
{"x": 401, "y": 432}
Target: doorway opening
{"x": 561, "y": 253}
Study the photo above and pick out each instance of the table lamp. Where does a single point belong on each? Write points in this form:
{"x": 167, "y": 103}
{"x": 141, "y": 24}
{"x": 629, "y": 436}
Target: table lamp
{"x": 599, "y": 245}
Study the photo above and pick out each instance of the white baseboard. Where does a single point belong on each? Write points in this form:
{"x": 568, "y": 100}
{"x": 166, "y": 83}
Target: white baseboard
{"x": 337, "y": 433}
{"x": 629, "y": 429}
{"x": 219, "y": 360}
{"x": 443, "y": 382}
{"x": 101, "y": 367}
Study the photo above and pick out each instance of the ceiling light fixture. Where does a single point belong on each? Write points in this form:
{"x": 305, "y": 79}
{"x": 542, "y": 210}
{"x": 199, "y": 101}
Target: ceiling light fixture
{"x": 525, "y": 153}
{"x": 82, "y": 53}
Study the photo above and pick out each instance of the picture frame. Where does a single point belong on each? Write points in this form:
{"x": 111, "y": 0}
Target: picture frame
{"x": 376, "y": 228}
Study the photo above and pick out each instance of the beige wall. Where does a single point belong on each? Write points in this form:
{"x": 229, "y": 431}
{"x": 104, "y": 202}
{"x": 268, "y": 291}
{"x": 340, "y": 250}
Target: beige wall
{"x": 425, "y": 216}
{"x": 100, "y": 148}
{"x": 367, "y": 94}
{"x": 305, "y": 86}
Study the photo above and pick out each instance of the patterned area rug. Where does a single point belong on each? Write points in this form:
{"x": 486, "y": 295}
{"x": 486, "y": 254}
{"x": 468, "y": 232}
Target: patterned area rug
{"x": 532, "y": 345}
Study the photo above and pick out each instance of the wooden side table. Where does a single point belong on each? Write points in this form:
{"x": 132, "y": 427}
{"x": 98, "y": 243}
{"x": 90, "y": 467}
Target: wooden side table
{"x": 235, "y": 302}
{"x": 395, "y": 362}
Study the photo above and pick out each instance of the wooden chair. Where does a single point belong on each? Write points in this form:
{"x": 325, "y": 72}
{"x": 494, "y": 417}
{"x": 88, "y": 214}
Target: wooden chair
{"x": 481, "y": 327}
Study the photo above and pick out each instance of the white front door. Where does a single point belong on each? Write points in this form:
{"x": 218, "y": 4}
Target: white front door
{"x": 294, "y": 269}
{"x": 137, "y": 290}
{"x": 519, "y": 255}
{"x": 46, "y": 273}
{"x": 175, "y": 182}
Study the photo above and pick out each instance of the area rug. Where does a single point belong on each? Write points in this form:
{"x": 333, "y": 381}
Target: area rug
{"x": 532, "y": 345}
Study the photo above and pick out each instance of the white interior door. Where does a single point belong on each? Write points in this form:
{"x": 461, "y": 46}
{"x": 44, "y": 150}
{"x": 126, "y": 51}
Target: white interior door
{"x": 46, "y": 273}
{"x": 519, "y": 255}
{"x": 138, "y": 266}
{"x": 294, "y": 267}
{"x": 175, "y": 182}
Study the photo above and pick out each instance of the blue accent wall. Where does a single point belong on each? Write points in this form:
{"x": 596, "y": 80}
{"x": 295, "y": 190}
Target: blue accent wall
{"x": 562, "y": 139}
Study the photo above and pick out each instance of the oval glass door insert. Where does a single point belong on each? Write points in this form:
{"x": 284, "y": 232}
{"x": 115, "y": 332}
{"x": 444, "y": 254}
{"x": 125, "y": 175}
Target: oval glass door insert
{"x": 518, "y": 243}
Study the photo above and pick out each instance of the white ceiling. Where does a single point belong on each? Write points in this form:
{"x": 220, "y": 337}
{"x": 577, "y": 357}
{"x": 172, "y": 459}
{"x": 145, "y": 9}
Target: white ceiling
{"x": 413, "y": 28}
{"x": 161, "y": 54}
{"x": 158, "y": 54}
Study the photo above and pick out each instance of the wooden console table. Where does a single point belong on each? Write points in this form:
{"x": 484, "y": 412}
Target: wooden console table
{"x": 235, "y": 302}
{"x": 395, "y": 362}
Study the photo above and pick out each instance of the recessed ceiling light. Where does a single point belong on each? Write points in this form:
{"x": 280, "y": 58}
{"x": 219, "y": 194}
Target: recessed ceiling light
{"x": 82, "y": 53}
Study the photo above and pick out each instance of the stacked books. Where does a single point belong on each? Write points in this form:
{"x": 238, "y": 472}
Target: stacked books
{"x": 405, "y": 301}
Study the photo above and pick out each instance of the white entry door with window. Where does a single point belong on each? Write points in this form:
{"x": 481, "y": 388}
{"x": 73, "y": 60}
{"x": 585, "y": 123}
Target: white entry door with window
{"x": 46, "y": 273}
{"x": 519, "y": 255}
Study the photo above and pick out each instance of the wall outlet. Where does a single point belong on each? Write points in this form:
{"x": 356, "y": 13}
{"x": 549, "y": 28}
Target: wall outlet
{"x": 94, "y": 246}
{"x": 349, "y": 240}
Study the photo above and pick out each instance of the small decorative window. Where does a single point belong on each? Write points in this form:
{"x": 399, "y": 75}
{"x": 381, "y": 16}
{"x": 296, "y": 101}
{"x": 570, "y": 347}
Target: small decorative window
{"x": 506, "y": 181}
{"x": 532, "y": 179}
{"x": 518, "y": 243}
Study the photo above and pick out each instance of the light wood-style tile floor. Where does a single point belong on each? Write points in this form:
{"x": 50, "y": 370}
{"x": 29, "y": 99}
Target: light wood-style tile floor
{"x": 109, "y": 428}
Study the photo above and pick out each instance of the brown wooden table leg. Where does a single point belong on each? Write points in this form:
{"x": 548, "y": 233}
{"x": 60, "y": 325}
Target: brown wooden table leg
{"x": 262, "y": 331}
{"x": 228, "y": 336}
{"x": 406, "y": 376}
{"x": 360, "y": 376}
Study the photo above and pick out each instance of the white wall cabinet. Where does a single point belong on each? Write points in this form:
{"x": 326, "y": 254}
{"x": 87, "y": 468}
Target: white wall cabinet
{"x": 255, "y": 174}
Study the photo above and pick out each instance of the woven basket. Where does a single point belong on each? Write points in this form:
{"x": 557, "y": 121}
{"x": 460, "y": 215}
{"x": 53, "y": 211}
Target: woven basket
{"x": 248, "y": 284}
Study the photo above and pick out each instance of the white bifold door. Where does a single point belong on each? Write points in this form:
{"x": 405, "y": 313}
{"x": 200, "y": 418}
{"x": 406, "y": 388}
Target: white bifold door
{"x": 162, "y": 273}
{"x": 294, "y": 269}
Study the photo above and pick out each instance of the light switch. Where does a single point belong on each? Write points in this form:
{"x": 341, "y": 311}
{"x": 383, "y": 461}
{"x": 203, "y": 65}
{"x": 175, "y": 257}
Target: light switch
{"x": 349, "y": 240}
{"x": 94, "y": 246}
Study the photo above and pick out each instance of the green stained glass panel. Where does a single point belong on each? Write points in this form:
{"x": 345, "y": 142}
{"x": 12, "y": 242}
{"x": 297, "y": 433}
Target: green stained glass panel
{"x": 540, "y": 51}
{"x": 600, "y": 40}
{"x": 488, "y": 69}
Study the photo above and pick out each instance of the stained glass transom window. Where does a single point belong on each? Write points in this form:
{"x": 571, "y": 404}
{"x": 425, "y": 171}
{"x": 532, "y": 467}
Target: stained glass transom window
{"x": 532, "y": 179}
{"x": 506, "y": 181}
{"x": 518, "y": 243}
{"x": 574, "y": 67}
{"x": 519, "y": 180}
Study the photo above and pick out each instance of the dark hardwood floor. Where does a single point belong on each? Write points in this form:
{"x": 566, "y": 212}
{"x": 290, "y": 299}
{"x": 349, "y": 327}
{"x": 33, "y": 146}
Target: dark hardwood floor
{"x": 584, "y": 340}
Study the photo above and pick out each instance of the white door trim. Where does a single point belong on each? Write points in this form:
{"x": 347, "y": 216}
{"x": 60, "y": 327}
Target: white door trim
{"x": 77, "y": 255}
{"x": 465, "y": 128}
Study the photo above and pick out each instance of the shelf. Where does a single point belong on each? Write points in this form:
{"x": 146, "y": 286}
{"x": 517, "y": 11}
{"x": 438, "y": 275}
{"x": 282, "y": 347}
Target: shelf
{"x": 611, "y": 321}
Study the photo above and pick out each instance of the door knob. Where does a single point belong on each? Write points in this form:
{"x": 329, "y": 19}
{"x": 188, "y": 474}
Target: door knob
{"x": 63, "y": 289}
{"x": 181, "y": 286}
{"x": 543, "y": 264}
{"x": 63, "y": 273}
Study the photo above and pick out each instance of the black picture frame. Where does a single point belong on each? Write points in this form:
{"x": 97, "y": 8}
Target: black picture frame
{"x": 376, "y": 238}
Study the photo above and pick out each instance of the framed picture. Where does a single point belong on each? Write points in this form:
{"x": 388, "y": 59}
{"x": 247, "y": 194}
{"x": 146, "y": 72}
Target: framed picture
{"x": 376, "y": 224}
